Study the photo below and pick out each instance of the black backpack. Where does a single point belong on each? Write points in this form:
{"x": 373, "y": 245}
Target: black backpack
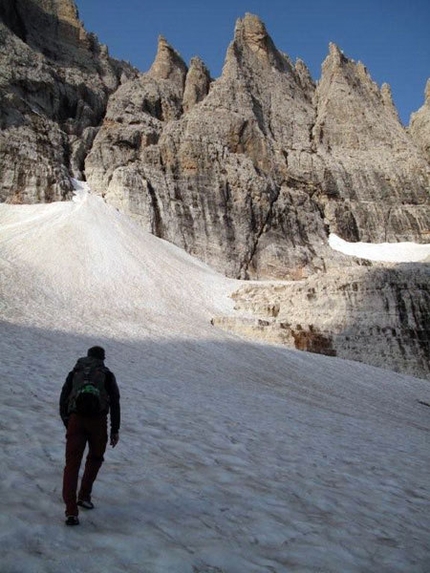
{"x": 89, "y": 397}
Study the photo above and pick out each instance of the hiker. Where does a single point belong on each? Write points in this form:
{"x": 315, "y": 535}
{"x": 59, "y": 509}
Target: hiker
{"x": 88, "y": 395}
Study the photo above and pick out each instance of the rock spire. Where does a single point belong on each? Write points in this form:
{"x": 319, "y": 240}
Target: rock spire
{"x": 168, "y": 64}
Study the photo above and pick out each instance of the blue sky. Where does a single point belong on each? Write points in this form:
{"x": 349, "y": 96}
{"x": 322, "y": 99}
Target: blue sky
{"x": 391, "y": 37}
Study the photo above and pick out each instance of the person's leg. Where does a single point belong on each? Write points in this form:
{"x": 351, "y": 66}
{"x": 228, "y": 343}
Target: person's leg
{"x": 75, "y": 446}
{"x": 97, "y": 441}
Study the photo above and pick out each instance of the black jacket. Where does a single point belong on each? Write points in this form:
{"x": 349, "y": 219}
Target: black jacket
{"x": 112, "y": 390}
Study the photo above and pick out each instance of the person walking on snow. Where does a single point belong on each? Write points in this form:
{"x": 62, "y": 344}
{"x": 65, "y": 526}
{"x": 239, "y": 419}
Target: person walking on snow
{"x": 89, "y": 393}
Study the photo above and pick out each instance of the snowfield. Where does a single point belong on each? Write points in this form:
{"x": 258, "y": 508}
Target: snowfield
{"x": 234, "y": 457}
{"x": 387, "y": 252}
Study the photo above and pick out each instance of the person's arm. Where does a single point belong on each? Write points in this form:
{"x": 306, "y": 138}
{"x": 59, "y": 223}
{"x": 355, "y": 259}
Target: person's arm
{"x": 64, "y": 398}
{"x": 115, "y": 410}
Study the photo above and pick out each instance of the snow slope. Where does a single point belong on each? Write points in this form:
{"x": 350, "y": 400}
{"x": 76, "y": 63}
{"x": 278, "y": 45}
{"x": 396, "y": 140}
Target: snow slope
{"x": 234, "y": 457}
{"x": 384, "y": 252}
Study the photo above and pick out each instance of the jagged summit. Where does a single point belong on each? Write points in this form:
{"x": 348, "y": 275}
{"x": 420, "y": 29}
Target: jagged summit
{"x": 168, "y": 64}
{"x": 387, "y": 98}
{"x": 272, "y": 161}
{"x": 191, "y": 84}
{"x": 252, "y": 43}
{"x": 353, "y": 112}
{"x": 335, "y": 54}
{"x": 197, "y": 84}
{"x": 251, "y": 31}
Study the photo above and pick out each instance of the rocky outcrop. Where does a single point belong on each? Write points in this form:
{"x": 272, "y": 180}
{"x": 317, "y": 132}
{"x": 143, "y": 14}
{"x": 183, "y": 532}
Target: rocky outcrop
{"x": 420, "y": 124}
{"x": 54, "y": 88}
{"x": 197, "y": 84}
{"x": 376, "y": 186}
{"x": 49, "y": 26}
{"x": 377, "y": 315}
{"x": 252, "y": 171}
{"x": 207, "y": 180}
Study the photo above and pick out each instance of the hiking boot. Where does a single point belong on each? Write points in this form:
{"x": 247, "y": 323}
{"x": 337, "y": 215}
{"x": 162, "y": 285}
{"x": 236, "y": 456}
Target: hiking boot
{"x": 85, "y": 503}
{"x": 72, "y": 520}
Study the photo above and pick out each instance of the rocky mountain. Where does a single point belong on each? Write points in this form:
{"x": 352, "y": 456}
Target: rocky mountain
{"x": 55, "y": 83}
{"x": 249, "y": 172}
{"x": 253, "y": 173}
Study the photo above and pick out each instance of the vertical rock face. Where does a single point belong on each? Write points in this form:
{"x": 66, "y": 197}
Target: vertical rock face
{"x": 51, "y": 26}
{"x": 197, "y": 84}
{"x": 250, "y": 172}
{"x": 377, "y": 181}
{"x": 168, "y": 64}
{"x": 215, "y": 180}
{"x": 55, "y": 84}
{"x": 420, "y": 124}
{"x": 353, "y": 114}
{"x": 374, "y": 315}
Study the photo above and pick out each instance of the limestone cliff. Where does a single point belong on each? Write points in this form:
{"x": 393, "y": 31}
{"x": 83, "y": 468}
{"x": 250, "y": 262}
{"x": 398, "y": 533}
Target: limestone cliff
{"x": 214, "y": 179}
{"x": 54, "y": 88}
{"x": 250, "y": 172}
{"x": 377, "y": 182}
{"x": 374, "y": 314}
{"x": 420, "y": 124}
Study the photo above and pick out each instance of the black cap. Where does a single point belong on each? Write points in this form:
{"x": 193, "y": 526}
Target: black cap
{"x": 96, "y": 352}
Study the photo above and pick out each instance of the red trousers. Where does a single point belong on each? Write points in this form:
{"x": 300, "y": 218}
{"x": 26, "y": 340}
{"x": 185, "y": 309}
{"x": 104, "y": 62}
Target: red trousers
{"x": 81, "y": 431}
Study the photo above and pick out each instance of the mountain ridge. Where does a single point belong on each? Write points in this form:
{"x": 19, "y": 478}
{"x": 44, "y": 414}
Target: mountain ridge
{"x": 251, "y": 172}
{"x": 277, "y": 155}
